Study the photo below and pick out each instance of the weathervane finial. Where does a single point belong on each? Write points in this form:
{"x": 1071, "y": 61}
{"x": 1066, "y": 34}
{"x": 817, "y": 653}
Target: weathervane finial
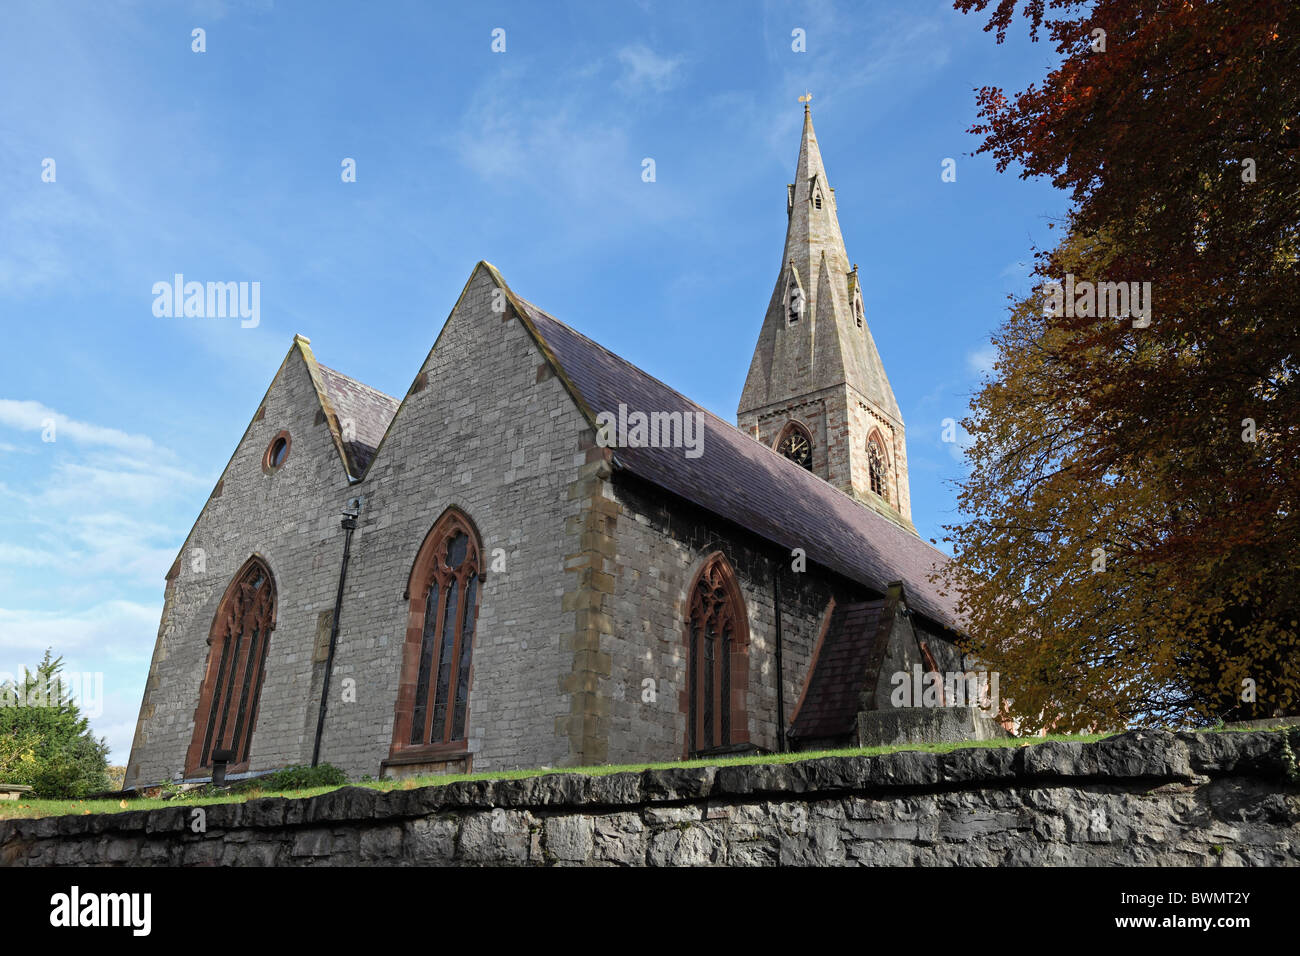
{"x": 805, "y": 99}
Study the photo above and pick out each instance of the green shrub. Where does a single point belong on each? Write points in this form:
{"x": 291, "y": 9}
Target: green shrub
{"x": 303, "y": 778}
{"x": 45, "y": 743}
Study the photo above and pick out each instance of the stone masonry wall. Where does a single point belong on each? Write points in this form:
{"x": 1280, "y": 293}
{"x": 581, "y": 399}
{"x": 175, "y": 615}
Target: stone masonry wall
{"x": 661, "y": 546}
{"x": 839, "y": 420}
{"x": 1148, "y": 798}
{"x": 493, "y": 434}
{"x": 863, "y": 418}
{"x": 486, "y": 429}
{"x": 584, "y": 600}
{"x": 288, "y": 518}
{"x": 766, "y": 424}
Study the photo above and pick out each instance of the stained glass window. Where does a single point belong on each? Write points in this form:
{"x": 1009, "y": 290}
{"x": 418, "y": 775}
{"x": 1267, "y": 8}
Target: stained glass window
{"x": 231, "y": 688}
{"x": 716, "y": 635}
{"x": 451, "y": 574}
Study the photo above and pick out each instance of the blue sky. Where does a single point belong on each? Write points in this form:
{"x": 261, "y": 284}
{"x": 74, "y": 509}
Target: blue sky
{"x": 225, "y": 166}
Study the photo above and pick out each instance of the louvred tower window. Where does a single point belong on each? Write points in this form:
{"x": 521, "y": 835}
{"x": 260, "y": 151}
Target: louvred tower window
{"x": 433, "y": 698}
{"x": 717, "y": 637}
{"x": 876, "y": 468}
{"x": 232, "y": 685}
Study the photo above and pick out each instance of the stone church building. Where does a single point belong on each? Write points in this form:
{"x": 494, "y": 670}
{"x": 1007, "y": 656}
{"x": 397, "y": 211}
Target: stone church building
{"x": 471, "y": 578}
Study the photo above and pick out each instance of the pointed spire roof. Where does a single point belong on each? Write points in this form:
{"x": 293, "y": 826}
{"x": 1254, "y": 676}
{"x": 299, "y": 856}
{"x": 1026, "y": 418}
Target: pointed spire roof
{"x": 825, "y": 347}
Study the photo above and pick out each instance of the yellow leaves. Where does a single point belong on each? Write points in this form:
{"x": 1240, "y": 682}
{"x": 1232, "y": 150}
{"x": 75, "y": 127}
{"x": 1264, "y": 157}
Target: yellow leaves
{"x": 1157, "y": 634}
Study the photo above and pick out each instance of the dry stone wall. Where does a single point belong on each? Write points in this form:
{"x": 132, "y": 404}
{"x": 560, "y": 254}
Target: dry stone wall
{"x": 1151, "y": 798}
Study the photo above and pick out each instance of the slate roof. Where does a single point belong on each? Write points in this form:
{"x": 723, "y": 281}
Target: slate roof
{"x": 833, "y": 698}
{"x": 743, "y": 480}
{"x": 363, "y": 413}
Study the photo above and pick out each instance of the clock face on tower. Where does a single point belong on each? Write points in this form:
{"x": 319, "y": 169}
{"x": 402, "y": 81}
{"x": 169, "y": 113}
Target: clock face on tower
{"x": 796, "y": 446}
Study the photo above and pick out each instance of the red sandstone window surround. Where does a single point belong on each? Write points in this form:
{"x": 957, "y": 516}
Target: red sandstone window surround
{"x": 277, "y": 453}
{"x": 795, "y": 443}
{"x": 432, "y": 712}
{"x": 717, "y": 655}
{"x": 232, "y": 684}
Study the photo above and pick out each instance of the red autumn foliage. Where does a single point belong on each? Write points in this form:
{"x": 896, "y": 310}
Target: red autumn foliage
{"x": 1175, "y": 128}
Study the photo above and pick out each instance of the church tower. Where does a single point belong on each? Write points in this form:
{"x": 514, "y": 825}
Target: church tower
{"x": 817, "y": 390}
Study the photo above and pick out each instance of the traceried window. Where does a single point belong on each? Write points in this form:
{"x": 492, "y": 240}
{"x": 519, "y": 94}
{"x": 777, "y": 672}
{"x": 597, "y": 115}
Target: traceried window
{"x": 796, "y": 445}
{"x": 433, "y": 700}
{"x": 232, "y": 684}
{"x": 876, "y": 468}
{"x": 717, "y": 636}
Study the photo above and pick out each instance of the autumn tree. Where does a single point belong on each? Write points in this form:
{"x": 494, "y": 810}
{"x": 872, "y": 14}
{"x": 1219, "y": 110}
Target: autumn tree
{"x": 1163, "y": 446}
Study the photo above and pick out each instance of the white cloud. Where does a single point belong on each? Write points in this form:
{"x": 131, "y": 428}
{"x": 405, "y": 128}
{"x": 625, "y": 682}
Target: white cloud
{"x": 28, "y": 557}
{"x": 980, "y": 361}
{"x": 105, "y": 512}
{"x": 958, "y": 448}
{"x": 646, "y": 71}
{"x": 106, "y": 688}
{"x": 89, "y": 533}
{"x": 586, "y": 160}
{"x": 34, "y": 417}
{"x": 101, "y": 482}
{"x": 112, "y": 628}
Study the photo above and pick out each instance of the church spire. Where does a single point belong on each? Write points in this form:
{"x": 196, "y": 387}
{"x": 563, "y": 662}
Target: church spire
{"x": 811, "y": 194}
{"x": 816, "y": 367}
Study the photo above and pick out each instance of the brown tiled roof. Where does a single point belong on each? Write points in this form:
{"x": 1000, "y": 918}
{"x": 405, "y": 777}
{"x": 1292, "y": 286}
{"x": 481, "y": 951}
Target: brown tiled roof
{"x": 363, "y": 412}
{"x": 833, "y": 698}
{"x": 746, "y": 482}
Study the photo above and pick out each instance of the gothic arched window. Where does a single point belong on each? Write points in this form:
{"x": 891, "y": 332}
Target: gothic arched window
{"x": 877, "y": 467}
{"x": 433, "y": 697}
{"x": 232, "y": 684}
{"x": 717, "y": 642}
{"x": 796, "y": 444}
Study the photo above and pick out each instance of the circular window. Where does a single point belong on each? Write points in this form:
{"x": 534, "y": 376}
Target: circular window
{"x": 276, "y": 453}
